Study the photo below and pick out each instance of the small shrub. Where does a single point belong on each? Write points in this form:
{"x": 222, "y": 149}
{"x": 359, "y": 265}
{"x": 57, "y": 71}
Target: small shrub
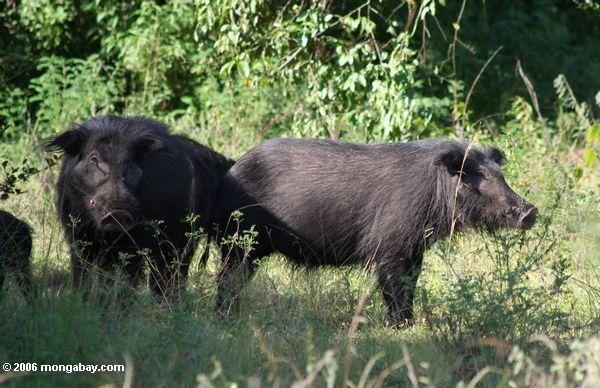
{"x": 71, "y": 90}
{"x": 522, "y": 292}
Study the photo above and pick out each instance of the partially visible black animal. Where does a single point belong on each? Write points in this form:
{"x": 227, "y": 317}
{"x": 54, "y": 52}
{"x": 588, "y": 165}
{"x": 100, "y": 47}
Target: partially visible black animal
{"x": 126, "y": 191}
{"x": 15, "y": 250}
{"x": 323, "y": 202}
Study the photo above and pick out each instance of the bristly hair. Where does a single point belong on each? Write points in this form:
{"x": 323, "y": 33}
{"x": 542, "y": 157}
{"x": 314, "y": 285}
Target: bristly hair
{"x": 131, "y": 124}
{"x": 71, "y": 140}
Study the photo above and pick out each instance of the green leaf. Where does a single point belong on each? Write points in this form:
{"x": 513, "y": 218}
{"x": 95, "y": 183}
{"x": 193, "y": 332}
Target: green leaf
{"x": 304, "y": 40}
{"x": 362, "y": 80}
{"x": 589, "y": 157}
{"x": 592, "y": 134}
{"x": 244, "y": 68}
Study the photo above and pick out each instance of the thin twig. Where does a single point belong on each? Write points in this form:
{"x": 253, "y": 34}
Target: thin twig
{"x": 411, "y": 13}
{"x": 357, "y": 318}
{"x": 485, "y": 65}
{"x": 456, "y": 26}
{"x": 530, "y": 90}
{"x": 412, "y": 376}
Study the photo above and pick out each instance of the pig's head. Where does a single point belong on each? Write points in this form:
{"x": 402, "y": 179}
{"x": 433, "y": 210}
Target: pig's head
{"x": 483, "y": 196}
{"x": 104, "y": 167}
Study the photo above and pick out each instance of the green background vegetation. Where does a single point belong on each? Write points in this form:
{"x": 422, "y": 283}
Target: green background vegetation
{"x": 496, "y": 310}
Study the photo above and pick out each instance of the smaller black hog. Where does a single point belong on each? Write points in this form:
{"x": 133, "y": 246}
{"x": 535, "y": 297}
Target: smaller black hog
{"x": 15, "y": 250}
{"x": 323, "y": 202}
{"x": 130, "y": 191}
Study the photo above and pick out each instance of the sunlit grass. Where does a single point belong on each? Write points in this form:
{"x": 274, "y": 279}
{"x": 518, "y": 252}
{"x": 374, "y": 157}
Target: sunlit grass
{"x": 297, "y": 325}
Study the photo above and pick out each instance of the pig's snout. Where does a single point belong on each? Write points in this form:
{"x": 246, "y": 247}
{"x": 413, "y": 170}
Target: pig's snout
{"x": 117, "y": 220}
{"x": 527, "y": 218}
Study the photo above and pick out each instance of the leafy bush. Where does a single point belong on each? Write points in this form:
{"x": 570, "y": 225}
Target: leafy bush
{"x": 47, "y": 21}
{"x": 354, "y": 86}
{"x": 71, "y": 90}
{"x": 524, "y": 292}
{"x": 362, "y": 71}
{"x": 12, "y": 176}
{"x": 13, "y": 113}
{"x": 580, "y": 366}
{"x": 461, "y": 37}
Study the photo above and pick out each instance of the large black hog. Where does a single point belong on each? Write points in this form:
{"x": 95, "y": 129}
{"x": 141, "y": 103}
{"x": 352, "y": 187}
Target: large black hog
{"x": 323, "y": 202}
{"x": 15, "y": 250}
{"x": 126, "y": 191}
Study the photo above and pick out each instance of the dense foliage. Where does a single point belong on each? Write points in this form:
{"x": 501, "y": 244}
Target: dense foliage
{"x": 374, "y": 70}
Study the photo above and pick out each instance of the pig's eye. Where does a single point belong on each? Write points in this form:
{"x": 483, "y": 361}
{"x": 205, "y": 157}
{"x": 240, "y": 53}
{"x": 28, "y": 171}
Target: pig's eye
{"x": 94, "y": 160}
{"x": 471, "y": 185}
{"x": 479, "y": 173}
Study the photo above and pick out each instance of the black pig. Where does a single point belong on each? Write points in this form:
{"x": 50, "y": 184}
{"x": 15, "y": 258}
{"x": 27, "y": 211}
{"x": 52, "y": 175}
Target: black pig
{"x": 126, "y": 191}
{"x": 15, "y": 250}
{"x": 323, "y": 202}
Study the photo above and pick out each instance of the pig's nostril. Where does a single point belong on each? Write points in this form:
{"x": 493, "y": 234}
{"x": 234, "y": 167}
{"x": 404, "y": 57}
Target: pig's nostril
{"x": 117, "y": 220}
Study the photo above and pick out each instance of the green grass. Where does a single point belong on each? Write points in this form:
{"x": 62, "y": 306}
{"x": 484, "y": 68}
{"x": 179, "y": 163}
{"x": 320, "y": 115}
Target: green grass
{"x": 481, "y": 301}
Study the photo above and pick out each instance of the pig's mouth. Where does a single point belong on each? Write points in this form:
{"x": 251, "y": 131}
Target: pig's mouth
{"x": 118, "y": 220}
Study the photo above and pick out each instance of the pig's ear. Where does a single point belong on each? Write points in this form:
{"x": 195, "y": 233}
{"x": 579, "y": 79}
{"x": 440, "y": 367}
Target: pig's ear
{"x": 70, "y": 142}
{"x": 496, "y": 155}
{"x": 455, "y": 162}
